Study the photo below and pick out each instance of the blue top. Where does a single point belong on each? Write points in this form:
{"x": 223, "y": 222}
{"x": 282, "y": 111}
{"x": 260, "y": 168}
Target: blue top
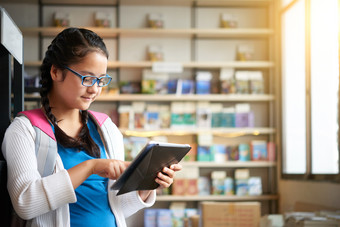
{"x": 92, "y": 207}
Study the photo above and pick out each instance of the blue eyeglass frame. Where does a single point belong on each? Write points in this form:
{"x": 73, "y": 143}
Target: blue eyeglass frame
{"x": 96, "y": 79}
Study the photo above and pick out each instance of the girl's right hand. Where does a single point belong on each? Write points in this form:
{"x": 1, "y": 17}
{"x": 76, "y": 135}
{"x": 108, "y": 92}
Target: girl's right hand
{"x": 109, "y": 168}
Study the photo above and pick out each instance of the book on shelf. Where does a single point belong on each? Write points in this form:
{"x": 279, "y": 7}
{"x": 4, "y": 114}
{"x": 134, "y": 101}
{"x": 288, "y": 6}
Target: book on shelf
{"x": 232, "y": 153}
{"x": 254, "y": 186}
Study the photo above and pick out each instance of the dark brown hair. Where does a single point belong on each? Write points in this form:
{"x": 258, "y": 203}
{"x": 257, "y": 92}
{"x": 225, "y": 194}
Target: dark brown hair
{"x": 69, "y": 47}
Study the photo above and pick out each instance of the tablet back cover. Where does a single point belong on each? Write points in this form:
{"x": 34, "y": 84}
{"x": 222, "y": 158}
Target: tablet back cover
{"x": 141, "y": 173}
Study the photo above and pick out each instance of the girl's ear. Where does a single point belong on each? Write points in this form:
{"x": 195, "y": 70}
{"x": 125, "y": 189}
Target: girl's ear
{"x": 56, "y": 73}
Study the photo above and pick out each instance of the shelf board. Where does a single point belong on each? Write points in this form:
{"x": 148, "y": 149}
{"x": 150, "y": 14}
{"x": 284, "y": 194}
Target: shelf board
{"x": 80, "y": 2}
{"x": 216, "y": 3}
{"x": 171, "y": 198}
{"x": 224, "y": 132}
{"x": 200, "y": 33}
{"x": 205, "y": 65}
{"x": 189, "y": 97}
{"x": 53, "y": 31}
{"x": 197, "y": 65}
{"x": 229, "y": 164}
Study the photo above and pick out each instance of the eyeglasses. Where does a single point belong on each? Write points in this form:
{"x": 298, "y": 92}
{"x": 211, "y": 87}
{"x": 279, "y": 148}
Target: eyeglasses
{"x": 89, "y": 81}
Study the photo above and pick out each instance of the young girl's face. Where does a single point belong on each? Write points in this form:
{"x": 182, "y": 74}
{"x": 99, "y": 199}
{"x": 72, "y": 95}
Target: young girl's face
{"x": 70, "y": 93}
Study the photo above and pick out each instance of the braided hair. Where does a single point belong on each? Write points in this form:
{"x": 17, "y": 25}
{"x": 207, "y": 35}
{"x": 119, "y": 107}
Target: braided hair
{"x": 69, "y": 47}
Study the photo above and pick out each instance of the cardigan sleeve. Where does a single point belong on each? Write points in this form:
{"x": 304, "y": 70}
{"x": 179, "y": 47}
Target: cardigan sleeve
{"x": 32, "y": 195}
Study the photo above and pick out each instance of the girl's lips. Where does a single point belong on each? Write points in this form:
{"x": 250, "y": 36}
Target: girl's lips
{"x": 88, "y": 98}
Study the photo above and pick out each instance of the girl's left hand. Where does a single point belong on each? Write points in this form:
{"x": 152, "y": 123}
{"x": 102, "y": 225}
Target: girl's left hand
{"x": 166, "y": 177}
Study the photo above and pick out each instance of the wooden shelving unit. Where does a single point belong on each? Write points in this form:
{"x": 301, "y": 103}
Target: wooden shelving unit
{"x": 194, "y": 36}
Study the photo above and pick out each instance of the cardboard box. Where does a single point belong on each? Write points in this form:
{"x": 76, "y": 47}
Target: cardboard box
{"x": 230, "y": 214}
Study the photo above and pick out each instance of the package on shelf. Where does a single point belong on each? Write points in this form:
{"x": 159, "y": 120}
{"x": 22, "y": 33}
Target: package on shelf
{"x": 244, "y": 117}
{"x": 178, "y": 213}
{"x": 244, "y": 152}
{"x": 227, "y": 81}
{"x": 138, "y": 115}
{"x": 236, "y": 214}
{"x": 203, "y": 82}
{"x": 232, "y": 152}
{"x": 185, "y": 182}
{"x": 242, "y": 82}
{"x": 272, "y": 220}
{"x": 152, "y": 117}
{"x": 132, "y": 146}
{"x": 228, "y": 20}
{"x": 103, "y": 19}
{"x": 150, "y": 216}
{"x": 256, "y": 83}
{"x": 203, "y": 115}
{"x": 217, "y": 182}
{"x": 271, "y": 151}
{"x": 164, "y": 218}
{"x": 154, "y": 82}
{"x": 155, "y": 52}
{"x": 130, "y": 87}
{"x": 204, "y": 141}
{"x": 259, "y": 150}
{"x": 191, "y": 156}
{"x": 241, "y": 182}
{"x": 164, "y": 116}
{"x": 189, "y": 116}
{"x": 155, "y": 20}
{"x": 245, "y": 52}
{"x": 125, "y": 116}
{"x": 61, "y": 19}
{"x": 218, "y": 152}
{"x": 216, "y": 114}
{"x": 254, "y": 186}
{"x": 228, "y": 117}
{"x": 204, "y": 153}
{"x": 203, "y": 185}
{"x": 185, "y": 86}
{"x": 229, "y": 186}
{"x": 177, "y": 115}
{"x": 111, "y": 89}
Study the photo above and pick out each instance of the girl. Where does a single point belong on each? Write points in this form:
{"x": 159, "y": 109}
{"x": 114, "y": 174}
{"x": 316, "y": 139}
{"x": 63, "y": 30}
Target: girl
{"x": 90, "y": 151}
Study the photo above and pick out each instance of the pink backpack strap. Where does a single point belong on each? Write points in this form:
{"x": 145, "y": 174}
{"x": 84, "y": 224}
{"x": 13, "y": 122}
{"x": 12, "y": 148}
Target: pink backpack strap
{"x": 99, "y": 117}
{"x": 39, "y": 120}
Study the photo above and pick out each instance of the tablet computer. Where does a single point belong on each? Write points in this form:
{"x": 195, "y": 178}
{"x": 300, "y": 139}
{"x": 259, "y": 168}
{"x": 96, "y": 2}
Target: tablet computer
{"x": 142, "y": 172}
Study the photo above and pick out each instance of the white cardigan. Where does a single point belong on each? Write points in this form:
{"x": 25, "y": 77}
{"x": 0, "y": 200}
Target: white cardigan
{"x": 44, "y": 201}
